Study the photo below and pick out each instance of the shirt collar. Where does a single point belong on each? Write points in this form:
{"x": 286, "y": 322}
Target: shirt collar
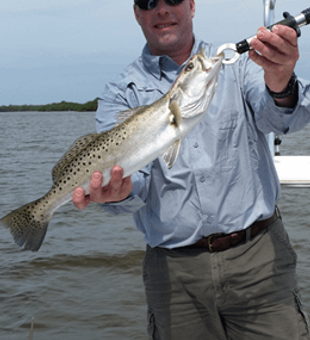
{"x": 157, "y": 65}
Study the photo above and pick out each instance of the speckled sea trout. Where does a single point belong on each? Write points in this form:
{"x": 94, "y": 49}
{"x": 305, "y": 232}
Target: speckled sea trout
{"x": 142, "y": 135}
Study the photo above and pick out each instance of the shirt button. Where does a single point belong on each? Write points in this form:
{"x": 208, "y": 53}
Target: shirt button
{"x": 209, "y": 219}
{"x": 202, "y": 179}
{"x": 196, "y": 145}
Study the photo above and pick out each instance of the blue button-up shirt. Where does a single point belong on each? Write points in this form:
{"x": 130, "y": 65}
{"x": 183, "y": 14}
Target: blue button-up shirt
{"x": 224, "y": 178}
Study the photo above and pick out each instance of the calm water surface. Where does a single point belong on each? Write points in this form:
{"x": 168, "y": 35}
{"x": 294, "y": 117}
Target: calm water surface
{"x": 85, "y": 282}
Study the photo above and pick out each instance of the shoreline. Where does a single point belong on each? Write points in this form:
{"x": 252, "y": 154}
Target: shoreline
{"x": 62, "y": 106}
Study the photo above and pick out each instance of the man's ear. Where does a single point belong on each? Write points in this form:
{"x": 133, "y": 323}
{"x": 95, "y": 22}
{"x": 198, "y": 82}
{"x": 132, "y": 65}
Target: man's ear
{"x": 193, "y": 7}
{"x": 136, "y": 11}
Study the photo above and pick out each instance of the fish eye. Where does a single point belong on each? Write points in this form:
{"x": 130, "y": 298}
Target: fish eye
{"x": 189, "y": 67}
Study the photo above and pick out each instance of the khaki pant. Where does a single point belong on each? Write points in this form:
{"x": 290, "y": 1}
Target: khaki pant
{"x": 248, "y": 292}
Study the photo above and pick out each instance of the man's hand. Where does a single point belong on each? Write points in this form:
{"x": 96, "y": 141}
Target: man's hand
{"x": 278, "y": 54}
{"x": 117, "y": 190}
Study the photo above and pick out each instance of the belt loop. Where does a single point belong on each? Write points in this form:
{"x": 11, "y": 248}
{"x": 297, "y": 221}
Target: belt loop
{"x": 278, "y": 212}
{"x": 210, "y": 243}
{"x": 247, "y": 234}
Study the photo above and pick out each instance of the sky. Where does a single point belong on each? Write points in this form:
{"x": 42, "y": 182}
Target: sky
{"x": 54, "y": 50}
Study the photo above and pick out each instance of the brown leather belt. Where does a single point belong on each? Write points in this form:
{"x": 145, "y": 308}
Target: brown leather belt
{"x": 220, "y": 242}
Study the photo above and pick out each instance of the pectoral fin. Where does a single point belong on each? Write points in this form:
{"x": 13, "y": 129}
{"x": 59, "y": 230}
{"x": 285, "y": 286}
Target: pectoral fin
{"x": 171, "y": 154}
{"x": 175, "y": 117}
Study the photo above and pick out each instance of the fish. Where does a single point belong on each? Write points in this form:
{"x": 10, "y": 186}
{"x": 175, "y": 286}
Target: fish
{"x": 141, "y": 135}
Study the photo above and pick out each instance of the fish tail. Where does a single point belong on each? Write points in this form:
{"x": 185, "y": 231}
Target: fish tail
{"x": 28, "y": 224}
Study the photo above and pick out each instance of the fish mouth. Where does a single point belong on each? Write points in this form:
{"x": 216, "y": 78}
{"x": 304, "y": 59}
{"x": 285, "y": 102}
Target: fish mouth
{"x": 205, "y": 63}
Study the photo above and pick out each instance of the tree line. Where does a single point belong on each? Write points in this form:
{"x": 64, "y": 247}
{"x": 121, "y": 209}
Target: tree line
{"x": 62, "y": 106}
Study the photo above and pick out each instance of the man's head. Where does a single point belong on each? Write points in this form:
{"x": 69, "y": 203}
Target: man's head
{"x": 167, "y": 26}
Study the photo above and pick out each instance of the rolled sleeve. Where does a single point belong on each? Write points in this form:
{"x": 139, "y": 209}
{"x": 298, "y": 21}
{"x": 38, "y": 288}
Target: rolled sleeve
{"x": 281, "y": 120}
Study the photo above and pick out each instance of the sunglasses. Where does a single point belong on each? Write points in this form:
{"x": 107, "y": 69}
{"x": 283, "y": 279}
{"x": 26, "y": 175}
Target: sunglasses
{"x": 150, "y": 4}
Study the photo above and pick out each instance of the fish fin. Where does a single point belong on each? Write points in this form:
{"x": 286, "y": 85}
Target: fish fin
{"x": 124, "y": 115}
{"x": 176, "y": 117}
{"x": 71, "y": 153}
{"x": 27, "y": 226}
{"x": 171, "y": 154}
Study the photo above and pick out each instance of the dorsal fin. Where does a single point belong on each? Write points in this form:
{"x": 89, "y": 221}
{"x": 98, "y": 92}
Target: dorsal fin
{"x": 71, "y": 153}
{"x": 123, "y": 115}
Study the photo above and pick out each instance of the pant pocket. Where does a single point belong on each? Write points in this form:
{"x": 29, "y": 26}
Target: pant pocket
{"x": 303, "y": 320}
{"x": 281, "y": 238}
{"x": 150, "y": 325}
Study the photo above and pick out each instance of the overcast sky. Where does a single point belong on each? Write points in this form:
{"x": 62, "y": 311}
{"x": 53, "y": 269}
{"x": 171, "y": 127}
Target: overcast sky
{"x": 54, "y": 50}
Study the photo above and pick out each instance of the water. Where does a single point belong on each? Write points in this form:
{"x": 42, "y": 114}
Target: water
{"x": 85, "y": 282}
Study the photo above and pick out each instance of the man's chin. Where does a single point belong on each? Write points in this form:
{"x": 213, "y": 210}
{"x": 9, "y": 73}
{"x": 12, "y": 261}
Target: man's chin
{"x": 168, "y": 43}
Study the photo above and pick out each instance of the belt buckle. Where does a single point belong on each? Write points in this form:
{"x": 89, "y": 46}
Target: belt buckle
{"x": 210, "y": 239}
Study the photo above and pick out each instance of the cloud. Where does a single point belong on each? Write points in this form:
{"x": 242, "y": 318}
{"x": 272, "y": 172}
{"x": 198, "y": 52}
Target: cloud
{"x": 43, "y": 36}
{"x": 41, "y": 5}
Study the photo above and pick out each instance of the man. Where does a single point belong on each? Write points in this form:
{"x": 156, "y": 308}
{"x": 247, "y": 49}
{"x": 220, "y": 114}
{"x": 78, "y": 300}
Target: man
{"x": 238, "y": 283}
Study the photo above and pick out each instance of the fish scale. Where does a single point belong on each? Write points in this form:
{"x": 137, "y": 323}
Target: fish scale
{"x": 142, "y": 135}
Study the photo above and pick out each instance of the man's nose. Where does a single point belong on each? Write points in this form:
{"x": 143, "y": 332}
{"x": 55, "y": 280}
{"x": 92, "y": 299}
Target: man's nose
{"x": 162, "y": 8}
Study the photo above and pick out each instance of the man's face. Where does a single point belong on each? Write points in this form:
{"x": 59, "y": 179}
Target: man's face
{"x": 167, "y": 29}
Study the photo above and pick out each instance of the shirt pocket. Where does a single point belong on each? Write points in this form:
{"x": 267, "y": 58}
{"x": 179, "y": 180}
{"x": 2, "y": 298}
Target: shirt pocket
{"x": 226, "y": 138}
{"x": 140, "y": 94}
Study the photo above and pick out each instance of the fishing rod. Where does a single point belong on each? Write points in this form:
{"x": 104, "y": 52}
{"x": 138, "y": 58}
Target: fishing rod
{"x": 243, "y": 46}
{"x": 269, "y": 18}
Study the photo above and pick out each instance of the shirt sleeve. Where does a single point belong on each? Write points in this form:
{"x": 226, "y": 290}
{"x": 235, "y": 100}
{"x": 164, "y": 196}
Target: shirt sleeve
{"x": 268, "y": 116}
{"x": 118, "y": 97}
